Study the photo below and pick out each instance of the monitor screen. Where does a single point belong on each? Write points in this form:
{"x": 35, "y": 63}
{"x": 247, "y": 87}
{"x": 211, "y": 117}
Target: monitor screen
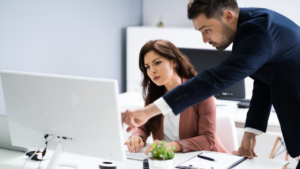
{"x": 203, "y": 59}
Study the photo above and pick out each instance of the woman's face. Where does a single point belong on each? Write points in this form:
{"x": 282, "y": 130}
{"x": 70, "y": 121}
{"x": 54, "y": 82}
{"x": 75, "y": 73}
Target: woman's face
{"x": 159, "y": 69}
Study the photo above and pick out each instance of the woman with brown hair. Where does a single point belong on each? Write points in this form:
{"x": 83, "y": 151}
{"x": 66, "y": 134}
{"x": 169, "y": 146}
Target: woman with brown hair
{"x": 164, "y": 68}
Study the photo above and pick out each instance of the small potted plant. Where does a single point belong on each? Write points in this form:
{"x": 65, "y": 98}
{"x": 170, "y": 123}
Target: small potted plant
{"x": 161, "y": 157}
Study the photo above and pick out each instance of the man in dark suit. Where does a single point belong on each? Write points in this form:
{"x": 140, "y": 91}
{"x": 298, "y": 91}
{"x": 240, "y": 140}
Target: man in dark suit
{"x": 266, "y": 47}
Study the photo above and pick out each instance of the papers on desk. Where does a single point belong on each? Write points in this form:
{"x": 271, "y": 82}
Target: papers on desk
{"x": 222, "y": 161}
{"x": 139, "y": 155}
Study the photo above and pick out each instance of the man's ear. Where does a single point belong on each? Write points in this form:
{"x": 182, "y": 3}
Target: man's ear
{"x": 228, "y": 16}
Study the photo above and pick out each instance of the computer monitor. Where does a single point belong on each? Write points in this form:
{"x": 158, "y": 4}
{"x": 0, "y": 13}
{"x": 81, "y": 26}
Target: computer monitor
{"x": 5, "y": 139}
{"x": 81, "y": 114}
{"x": 203, "y": 59}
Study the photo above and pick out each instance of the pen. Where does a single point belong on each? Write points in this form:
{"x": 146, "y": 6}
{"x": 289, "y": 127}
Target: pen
{"x": 206, "y": 158}
{"x": 190, "y": 167}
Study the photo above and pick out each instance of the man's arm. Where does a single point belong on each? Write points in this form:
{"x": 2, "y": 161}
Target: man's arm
{"x": 252, "y": 130}
{"x": 163, "y": 106}
{"x": 252, "y": 49}
{"x": 260, "y": 107}
{"x": 257, "y": 118}
{"x": 136, "y": 118}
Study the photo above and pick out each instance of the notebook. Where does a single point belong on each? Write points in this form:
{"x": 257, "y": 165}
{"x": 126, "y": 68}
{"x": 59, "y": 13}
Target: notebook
{"x": 222, "y": 161}
{"x": 139, "y": 155}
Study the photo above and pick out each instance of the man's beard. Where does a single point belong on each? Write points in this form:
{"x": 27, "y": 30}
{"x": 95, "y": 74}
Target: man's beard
{"x": 227, "y": 38}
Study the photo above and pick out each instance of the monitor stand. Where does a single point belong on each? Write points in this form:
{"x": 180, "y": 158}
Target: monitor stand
{"x": 53, "y": 164}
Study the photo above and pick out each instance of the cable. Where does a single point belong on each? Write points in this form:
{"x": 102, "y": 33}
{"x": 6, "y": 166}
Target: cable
{"x": 32, "y": 155}
{"x": 45, "y": 150}
{"x": 43, "y": 154}
{"x": 47, "y": 137}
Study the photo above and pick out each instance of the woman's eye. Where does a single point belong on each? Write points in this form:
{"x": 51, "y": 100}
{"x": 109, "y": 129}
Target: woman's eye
{"x": 157, "y": 63}
{"x": 207, "y": 30}
{"x": 147, "y": 67}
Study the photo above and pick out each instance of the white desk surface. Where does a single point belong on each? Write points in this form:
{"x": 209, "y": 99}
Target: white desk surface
{"x": 239, "y": 115}
{"x": 14, "y": 160}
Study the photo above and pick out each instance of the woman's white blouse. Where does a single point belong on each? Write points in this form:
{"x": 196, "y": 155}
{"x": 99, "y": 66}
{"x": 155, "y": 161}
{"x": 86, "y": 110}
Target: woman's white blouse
{"x": 171, "y": 127}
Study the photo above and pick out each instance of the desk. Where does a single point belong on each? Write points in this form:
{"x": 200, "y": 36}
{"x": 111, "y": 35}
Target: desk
{"x": 14, "y": 160}
{"x": 239, "y": 115}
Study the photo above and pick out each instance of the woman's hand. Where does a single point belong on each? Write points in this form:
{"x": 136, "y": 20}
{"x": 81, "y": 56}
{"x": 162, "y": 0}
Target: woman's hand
{"x": 168, "y": 146}
{"x": 134, "y": 143}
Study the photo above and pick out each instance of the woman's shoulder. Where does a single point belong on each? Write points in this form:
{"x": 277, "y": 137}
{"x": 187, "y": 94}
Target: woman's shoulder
{"x": 205, "y": 106}
{"x": 209, "y": 101}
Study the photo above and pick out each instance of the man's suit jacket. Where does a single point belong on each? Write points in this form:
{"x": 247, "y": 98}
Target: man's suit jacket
{"x": 266, "y": 47}
{"x": 197, "y": 128}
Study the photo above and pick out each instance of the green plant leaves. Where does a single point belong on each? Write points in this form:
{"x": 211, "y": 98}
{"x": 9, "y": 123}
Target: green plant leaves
{"x": 160, "y": 152}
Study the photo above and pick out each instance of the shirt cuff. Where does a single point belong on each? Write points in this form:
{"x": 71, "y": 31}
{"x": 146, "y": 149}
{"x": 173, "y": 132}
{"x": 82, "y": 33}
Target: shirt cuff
{"x": 252, "y": 130}
{"x": 162, "y": 105}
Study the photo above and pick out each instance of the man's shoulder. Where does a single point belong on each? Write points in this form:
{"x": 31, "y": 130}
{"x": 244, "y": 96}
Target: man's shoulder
{"x": 254, "y": 20}
{"x": 255, "y": 16}
{"x": 260, "y": 17}
{"x": 253, "y": 13}
{"x": 262, "y": 20}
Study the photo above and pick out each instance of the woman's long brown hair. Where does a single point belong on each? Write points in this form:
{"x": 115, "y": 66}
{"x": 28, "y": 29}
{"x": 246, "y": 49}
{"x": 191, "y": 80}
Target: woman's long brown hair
{"x": 151, "y": 91}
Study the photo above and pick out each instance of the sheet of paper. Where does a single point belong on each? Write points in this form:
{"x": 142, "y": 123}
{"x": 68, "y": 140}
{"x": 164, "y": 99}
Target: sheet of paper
{"x": 222, "y": 161}
{"x": 139, "y": 155}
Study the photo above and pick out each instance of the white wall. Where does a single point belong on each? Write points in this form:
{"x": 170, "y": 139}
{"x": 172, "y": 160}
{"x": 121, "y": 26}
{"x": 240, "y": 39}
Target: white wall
{"x": 67, "y": 37}
{"x": 174, "y": 12}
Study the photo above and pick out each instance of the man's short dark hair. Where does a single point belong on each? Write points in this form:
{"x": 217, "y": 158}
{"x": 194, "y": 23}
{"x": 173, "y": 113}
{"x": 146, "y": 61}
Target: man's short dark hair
{"x": 211, "y": 8}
